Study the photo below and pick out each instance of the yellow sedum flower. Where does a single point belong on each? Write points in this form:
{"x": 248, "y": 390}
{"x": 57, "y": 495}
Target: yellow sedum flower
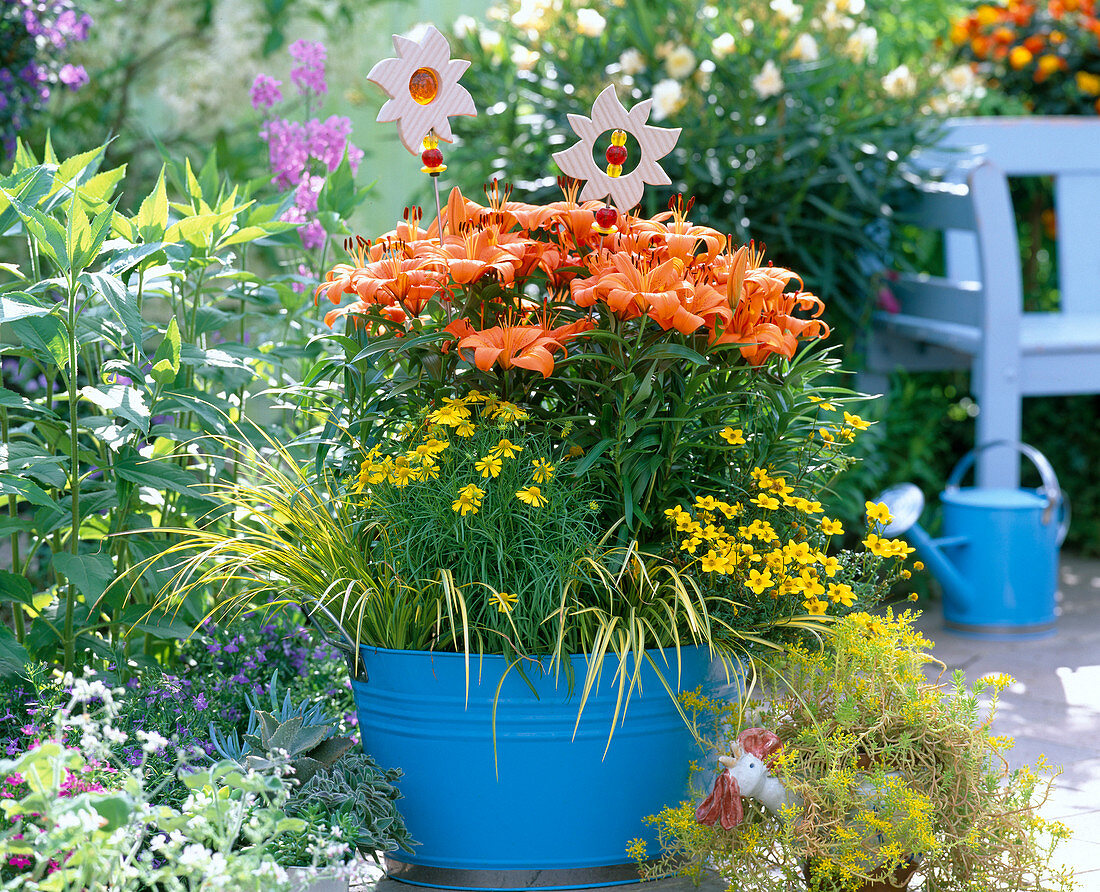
{"x": 532, "y": 496}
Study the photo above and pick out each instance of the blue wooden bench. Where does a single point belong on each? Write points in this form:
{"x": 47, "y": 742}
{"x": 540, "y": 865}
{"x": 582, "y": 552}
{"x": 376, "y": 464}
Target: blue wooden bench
{"x": 973, "y": 316}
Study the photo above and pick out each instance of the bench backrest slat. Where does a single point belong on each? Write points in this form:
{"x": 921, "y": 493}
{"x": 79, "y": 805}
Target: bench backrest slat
{"x": 1065, "y": 148}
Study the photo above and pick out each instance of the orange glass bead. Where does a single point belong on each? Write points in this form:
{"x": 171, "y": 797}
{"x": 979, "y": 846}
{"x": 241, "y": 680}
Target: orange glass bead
{"x": 424, "y": 86}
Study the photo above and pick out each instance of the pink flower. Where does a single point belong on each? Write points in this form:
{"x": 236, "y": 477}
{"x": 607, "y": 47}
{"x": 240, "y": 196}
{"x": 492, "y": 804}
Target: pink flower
{"x": 265, "y": 92}
{"x": 312, "y": 235}
{"x": 309, "y": 77}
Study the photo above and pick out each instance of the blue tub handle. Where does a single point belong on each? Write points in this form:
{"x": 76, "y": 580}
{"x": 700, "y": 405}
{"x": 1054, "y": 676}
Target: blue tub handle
{"x": 1056, "y": 501}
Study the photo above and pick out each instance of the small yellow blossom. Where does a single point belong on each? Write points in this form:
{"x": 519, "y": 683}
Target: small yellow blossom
{"x": 766, "y": 501}
{"x": 840, "y": 593}
{"x": 878, "y": 512}
{"x": 505, "y": 601}
{"x": 826, "y": 435}
{"x": 822, "y": 404}
{"x": 466, "y": 429}
{"x": 506, "y": 449}
{"x": 543, "y": 470}
{"x": 758, "y": 581}
{"x": 575, "y": 452}
{"x": 733, "y": 436}
{"x": 713, "y": 562}
{"x": 489, "y": 465}
{"x": 856, "y": 422}
{"x": 451, "y": 416}
{"x": 831, "y": 527}
{"x": 532, "y": 496}
{"x": 815, "y": 607}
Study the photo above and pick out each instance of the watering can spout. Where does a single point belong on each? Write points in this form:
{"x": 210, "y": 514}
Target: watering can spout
{"x": 906, "y": 502}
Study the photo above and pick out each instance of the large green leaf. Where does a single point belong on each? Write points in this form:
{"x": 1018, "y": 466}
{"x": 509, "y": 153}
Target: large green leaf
{"x": 16, "y": 589}
{"x": 160, "y": 474}
{"x": 90, "y": 573}
{"x": 119, "y": 299}
{"x": 120, "y": 399}
{"x": 13, "y": 656}
{"x": 25, "y": 489}
{"x": 19, "y": 305}
{"x": 46, "y": 336}
{"x": 151, "y": 219}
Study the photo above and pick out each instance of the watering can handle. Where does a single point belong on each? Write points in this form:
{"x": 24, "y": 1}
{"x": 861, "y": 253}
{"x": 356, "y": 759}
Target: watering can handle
{"x": 1050, "y": 490}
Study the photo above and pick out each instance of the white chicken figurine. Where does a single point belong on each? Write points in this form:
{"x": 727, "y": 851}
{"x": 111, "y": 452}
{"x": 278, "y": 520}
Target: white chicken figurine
{"x": 747, "y": 774}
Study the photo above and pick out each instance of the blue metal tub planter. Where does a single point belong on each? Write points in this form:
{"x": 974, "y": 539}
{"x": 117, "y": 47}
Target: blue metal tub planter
{"x": 503, "y": 788}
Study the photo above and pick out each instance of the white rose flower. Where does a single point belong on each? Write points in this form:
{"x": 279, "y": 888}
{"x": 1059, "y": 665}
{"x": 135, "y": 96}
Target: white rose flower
{"x": 862, "y": 43}
{"x": 668, "y": 97}
{"x": 805, "y": 48}
{"x": 464, "y": 26}
{"x": 900, "y": 82}
{"x": 722, "y": 45}
{"x": 590, "y": 23}
{"x": 769, "y": 82}
{"x": 787, "y": 10}
{"x": 680, "y": 62}
{"x": 631, "y": 62}
{"x": 960, "y": 79}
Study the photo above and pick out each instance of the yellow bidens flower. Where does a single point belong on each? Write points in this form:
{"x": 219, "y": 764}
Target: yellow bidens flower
{"x": 815, "y": 607}
{"x": 469, "y": 499}
{"x": 506, "y": 449}
{"x": 766, "y": 501}
{"x": 887, "y": 547}
{"x": 758, "y": 581}
{"x": 831, "y": 527}
{"x": 855, "y": 421}
{"x": 543, "y": 470}
{"x": 878, "y": 512}
{"x": 532, "y": 496}
{"x": 822, "y": 404}
{"x": 505, "y": 601}
{"x": 489, "y": 465}
{"x": 840, "y": 593}
{"x": 733, "y": 436}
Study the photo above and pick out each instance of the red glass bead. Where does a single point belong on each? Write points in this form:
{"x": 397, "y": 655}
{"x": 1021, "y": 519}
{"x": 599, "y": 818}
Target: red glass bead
{"x": 616, "y": 154}
{"x": 432, "y": 158}
{"x": 606, "y": 217}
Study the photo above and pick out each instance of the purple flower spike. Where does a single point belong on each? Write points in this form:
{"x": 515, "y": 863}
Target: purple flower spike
{"x": 265, "y": 92}
{"x": 309, "y": 77}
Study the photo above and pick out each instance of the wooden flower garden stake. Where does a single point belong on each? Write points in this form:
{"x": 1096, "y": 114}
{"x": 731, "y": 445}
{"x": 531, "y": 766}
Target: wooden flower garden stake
{"x": 621, "y": 192}
{"x": 422, "y": 83}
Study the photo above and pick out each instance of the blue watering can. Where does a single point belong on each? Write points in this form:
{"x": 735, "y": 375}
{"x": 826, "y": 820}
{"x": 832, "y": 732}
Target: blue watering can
{"x": 998, "y": 558}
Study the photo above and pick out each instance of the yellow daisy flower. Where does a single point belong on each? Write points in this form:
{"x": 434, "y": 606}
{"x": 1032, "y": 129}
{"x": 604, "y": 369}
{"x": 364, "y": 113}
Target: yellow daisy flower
{"x": 733, "y": 436}
{"x": 489, "y": 465}
{"x": 506, "y": 449}
{"x": 532, "y": 496}
{"x": 831, "y": 527}
{"x": 543, "y": 470}
{"x": 505, "y": 601}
